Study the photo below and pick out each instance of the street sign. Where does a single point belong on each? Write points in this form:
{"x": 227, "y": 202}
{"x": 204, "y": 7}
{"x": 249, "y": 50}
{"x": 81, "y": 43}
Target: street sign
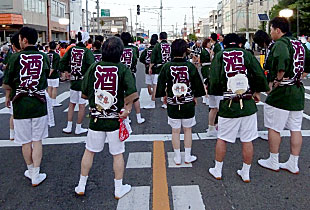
{"x": 105, "y": 12}
{"x": 263, "y": 17}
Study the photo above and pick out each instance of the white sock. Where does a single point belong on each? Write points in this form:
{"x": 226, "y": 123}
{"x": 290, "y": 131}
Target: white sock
{"x": 218, "y": 166}
{"x": 138, "y": 116}
{"x": 118, "y": 183}
{"x": 211, "y": 127}
{"x": 69, "y": 124}
{"x": 78, "y": 126}
{"x": 188, "y": 152}
{"x": 177, "y": 153}
{"x": 30, "y": 166}
{"x": 83, "y": 180}
{"x": 294, "y": 159}
{"x": 274, "y": 157}
{"x": 246, "y": 167}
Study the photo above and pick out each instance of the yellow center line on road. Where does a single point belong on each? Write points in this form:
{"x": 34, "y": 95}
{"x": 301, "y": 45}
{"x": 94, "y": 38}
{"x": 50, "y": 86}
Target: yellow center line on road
{"x": 160, "y": 185}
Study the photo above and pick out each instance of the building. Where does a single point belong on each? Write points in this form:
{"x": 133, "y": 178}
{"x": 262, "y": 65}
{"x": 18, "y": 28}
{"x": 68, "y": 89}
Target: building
{"x": 76, "y": 15}
{"x": 203, "y": 29}
{"x": 219, "y": 17}
{"x": 213, "y": 21}
{"x": 234, "y": 14}
{"x": 108, "y": 26}
{"x": 59, "y": 9}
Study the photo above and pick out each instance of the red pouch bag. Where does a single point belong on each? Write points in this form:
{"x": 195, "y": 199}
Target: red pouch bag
{"x": 123, "y": 132}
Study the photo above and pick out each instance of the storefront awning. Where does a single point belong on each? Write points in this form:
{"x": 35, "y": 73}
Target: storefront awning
{"x": 11, "y": 19}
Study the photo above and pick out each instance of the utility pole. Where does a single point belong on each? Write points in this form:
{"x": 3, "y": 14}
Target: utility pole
{"x": 193, "y": 20}
{"x": 98, "y": 23}
{"x": 267, "y": 23}
{"x": 172, "y": 31}
{"x": 136, "y": 29}
{"x": 247, "y": 21}
{"x": 232, "y": 20}
{"x": 49, "y": 33}
{"x": 69, "y": 12}
{"x": 161, "y": 15}
{"x": 87, "y": 15}
{"x": 176, "y": 30}
{"x": 131, "y": 21}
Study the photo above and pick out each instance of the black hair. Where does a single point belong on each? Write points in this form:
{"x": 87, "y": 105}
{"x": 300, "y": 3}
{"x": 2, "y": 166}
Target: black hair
{"x": 231, "y": 40}
{"x": 40, "y": 47}
{"x": 178, "y": 48}
{"x": 126, "y": 38}
{"x": 153, "y": 41}
{"x": 30, "y": 34}
{"x": 214, "y": 36}
{"x": 90, "y": 41}
{"x": 154, "y": 36}
{"x": 112, "y": 49}
{"x": 72, "y": 41}
{"x": 97, "y": 44}
{"x": 79, "y": 36}
{"x": 15, "y": 40}
{"x": 163, "y": 35}
{"x": 261, "y": 38}
{"x": 243, "y": 40}
{"x": 63, "y": 45}
{"x": 100, "y": 38}
{"x": 118, "y": 35}
{"x": 280, "y": 23}
{"x": 52, "y": 45}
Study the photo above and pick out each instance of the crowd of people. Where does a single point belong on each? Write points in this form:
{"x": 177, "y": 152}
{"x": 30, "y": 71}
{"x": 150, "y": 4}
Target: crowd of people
{"x": 222, "y": 70}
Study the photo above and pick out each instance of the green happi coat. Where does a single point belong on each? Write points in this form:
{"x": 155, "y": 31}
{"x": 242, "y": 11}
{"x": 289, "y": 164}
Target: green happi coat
{"x": 161, "y": 54}
{"x": 75, "y": 65}
{"x": 180, "y": 71}
{"x": 217, "y": 48}
{"x": 130, "y": 57}
{"x": 146, "y": 58}
{"x": 27, "y": 76}
{"x": 205, "y": 60}
{"x": 281, "y": 57}
{"x": 219, "y": 77}
{"x": 54, "y": 59}
{"x": 121, "y": 85}
{"x": 97, "y": 55}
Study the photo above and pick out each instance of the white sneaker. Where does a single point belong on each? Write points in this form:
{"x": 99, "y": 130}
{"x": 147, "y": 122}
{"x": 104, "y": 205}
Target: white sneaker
{"x": 123, "y": 191}
{"x": 140, "y": 121}
{"x": 177, "y": 160}
{"x": 269, "y": 164}
{"x": 67, "y": 130}
{"x": 164, "y": 106}
{"x": 216, "y": 174}
{"x": 244, "y": 176}
{"x": 264, "y": 136}
{"x": 57, "y": 104}
{"x": 80, "y": 190}
{"x": 79, "y": 131}
{"x": 211, "y": 133}
{"x": 288, "y": 166}
{"x": 190, "y": 159}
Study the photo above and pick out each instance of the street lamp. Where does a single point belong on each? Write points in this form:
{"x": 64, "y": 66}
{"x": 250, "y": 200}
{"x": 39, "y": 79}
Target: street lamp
{"x": 287, "y": 13}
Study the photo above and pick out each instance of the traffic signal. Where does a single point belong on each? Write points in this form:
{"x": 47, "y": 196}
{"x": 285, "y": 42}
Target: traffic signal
{"x": 138, "y": 9}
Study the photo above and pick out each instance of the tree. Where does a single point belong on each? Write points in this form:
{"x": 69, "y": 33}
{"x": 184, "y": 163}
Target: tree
{"x": 192, "y": 37}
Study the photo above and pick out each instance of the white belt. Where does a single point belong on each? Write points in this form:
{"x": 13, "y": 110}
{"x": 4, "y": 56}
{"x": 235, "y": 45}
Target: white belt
{"x": 206, "y": 64}
{"x": 288, "y": 82}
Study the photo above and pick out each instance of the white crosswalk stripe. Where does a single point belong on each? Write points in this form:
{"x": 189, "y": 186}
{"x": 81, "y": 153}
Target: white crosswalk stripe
{"x": 2, "y": 100}
{"x": 139, "y": 160}
{"x": 137, "y": 199}
{"x": 145, "y": 99}
{"x": 187, "y": 197}
{"x": 171, "y": 163}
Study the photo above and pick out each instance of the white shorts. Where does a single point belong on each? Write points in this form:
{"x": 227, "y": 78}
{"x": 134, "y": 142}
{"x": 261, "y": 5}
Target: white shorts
{"x": 214, "y": 101}
{"x": 177, "y": 123}
{"x": 53, "y": 82}
{"x": 228, "y": 128}
{"x": 278, "y": 119}
{"x": 150, "y": 79}
{"x": 155, "y": 79}
{"x": 28, "y": 130}
{"x": 96, "y": 139}
{"x": 76, "y": 97}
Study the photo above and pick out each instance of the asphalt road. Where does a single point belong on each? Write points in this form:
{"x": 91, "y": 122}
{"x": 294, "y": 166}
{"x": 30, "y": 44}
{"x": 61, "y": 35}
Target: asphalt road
{"x": 61, "y": 162}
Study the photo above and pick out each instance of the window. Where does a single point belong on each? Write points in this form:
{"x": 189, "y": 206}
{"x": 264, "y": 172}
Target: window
{"x": 227, "y": 16}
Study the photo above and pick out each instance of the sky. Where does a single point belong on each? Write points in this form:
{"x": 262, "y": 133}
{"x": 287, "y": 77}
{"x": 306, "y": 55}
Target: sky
{"x": 174, "y": 11}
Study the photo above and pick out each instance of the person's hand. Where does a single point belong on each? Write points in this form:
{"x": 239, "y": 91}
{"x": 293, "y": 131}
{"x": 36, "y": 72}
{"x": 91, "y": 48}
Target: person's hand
{"x": 165, "y": 100}
{"x": 7, "y": 102}
{"x": 124, "y": 114}
{"x": 150, "y": 71}
{"x": 196, "y": 101}
{"x": 256, "y": 96}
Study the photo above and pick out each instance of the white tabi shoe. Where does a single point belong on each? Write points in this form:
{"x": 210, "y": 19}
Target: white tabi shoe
{"x": 190, "y": 159}
{"x": 271, "y": 163}
{"x": 177, "y": 160}
{"x": 140, "y": 121}
{"x": 215, "y": 173}
{"x": 27, "y": 174}
{"x": 67, "y": 130}
{"x": 244, "y": 173}
{"x": 211, "y": 132}
{"x": 291, "y": 165}
{"x": 36, "y": 177}
{"x": 119, "y": 193}
{"x": 81, "y": 130}
{"x": 164, "y": 106}
{"x": 80, "y": 190}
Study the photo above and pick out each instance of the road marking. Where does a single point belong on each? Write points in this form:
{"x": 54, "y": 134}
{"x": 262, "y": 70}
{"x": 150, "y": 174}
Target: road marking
{"x": 160, "y": 185}
{"x": 187, "y": 197}
{"x": 171, "y": 163}
{"x": 146, "y": 99}
{"x": 132, "y": 138}
{"x": 62, "y": 97}
{"x": 307, "y": 87}
{"x": 137, "y": 199}
{"x": 76, "y": 108}
{"x": 2, "y": 100}
{"x": 139, "y": 160}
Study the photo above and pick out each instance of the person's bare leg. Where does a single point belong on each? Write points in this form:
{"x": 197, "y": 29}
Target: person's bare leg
{"x": 296, "y": 142}
{"x": 37, "y": 153}
{"x": 118, "y": 166}
{"x": 212, "y": 116}
{"x": 220, "y": 150}
{"x": 81, "y": 113}
{"x": 149, "y": 89}
{"x": 87, "y": 162}
{"x": 247, "y": 152}
{"x": 71, "y": 111}
{"x": 274, "y": 140}
{"x": 154, "y": 92}
{"x": 50, "y": 91}
{"x": 54, "y": 93}
{"x": 27, "y": 153}
{"x": 137, "y": 107}
{"x": 176, "y": 138}
{"x": 189, "y": 158}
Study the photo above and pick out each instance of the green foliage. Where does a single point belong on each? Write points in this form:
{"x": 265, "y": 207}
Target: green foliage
{"x": 304, "y": 14}
{"x": 192, "y": 37}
